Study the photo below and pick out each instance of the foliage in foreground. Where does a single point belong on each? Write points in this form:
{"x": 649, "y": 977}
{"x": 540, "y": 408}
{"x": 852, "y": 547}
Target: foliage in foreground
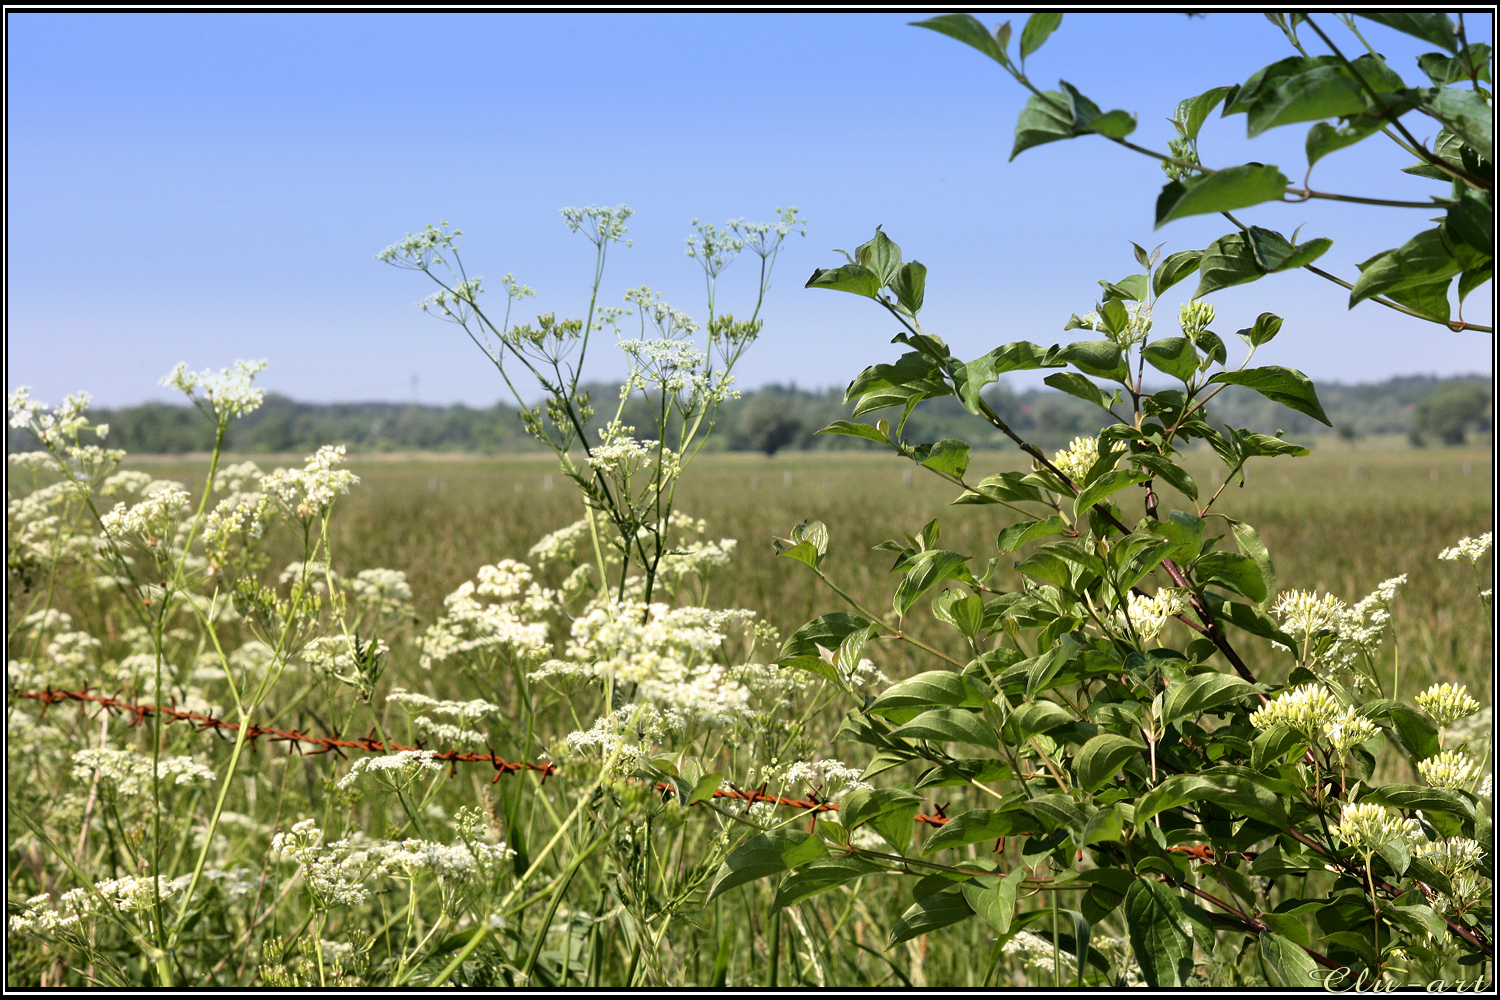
{"x": 630, "y": 786}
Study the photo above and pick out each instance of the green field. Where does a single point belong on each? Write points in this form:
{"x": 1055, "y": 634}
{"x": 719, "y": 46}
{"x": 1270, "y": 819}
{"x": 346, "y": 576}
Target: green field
{"x": 1339, "y": 521}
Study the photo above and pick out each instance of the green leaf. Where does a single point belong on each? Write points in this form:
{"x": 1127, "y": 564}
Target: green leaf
{"x": 1267, "y": 326}
{"x": 949, "y": 725}
{"x": 1314, "y": 90}
{"x": 910, "y": 286}
{"x": 803, "y": 552}
{"x": 1233, "y": 571}
{"x": 1287, "y": 965}
{"x": 1017, "y": 535}
{"x": 1427, "y": 258}
{"x": 1193, "y": 112}
{"x": 1224, "y": 191}
{"x": 967, "y": 29}
{"x": 1107, "y": 889}
{"x": 1196, "y": 695}
{"x": 853, "y": 429}
{"x": 887, "y": 811}
{"x": 1436, "y": 28}
{"x": 1286, "y": 386}
{"x": 763, "y": 855}
{"x": 1056, "y": 811}
{"x": 1131, "y": 289}
{"x": 852, "y": 278}
{"x": 1159, "y": 934}
{"x": 1176, "y": 267}
{"x": 961, "y": 609}
{"x": 1228, "y": 261}
{"x": 929, "y": 914}
{"x": 827, "y": 631}
{"x": 1106, "y": 485}
{"x": 949, "y": 456}
{"x": 1065, "y": 114}
{"x": 928, "y": 569}
{"x": 1099, "y": 358}
{"x": 1472, "y": 220}
{"x": 1075, "y": 384}
{"x": 1324, "y": 138}
{"x": 704, "y": 788}
{"x": 881, "y": 255}
{"x": 1106, "y": 825}
{"x": 1443, "y": 70}
{"x": 913, "y": 367}
{"x": 1047, "y": 567}
{"x": 1272, "y": 745}
{"x": 1423, "y": 798}
{"x": 1006, "y": 486}
{"x": 1274, "y": 252}
{"x": 1174, "y": 356}
{"x": 1250, "y": 545}
{"x": 1037, "y": 717}
{"x": 1266, "y": 446}
{"x": 820, "y": 876}
{"x": 1472, "y": 279}
{"x": 931, "y": 689}
{"x": 993, "y": 898}
{"x": 1169, "y": 470}
{"x": 1102, "y": 757}
{"x": 1038, "y": 27}
{"x": 978, "y": 825}
{"x": 1235, "y": 793}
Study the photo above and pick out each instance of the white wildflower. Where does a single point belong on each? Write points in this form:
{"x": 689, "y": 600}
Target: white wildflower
{"x": 827, "y": 777}
{"x": 1451, "y": 769}
{"x": 1366, "y": 826}
{"x": 1447, "y": 703}
{"x": 1308, "y": 709}
{"x": 229, "y": 393}
{"x": 1468, "y": 549}
{"x": 130, "y": 772}
{"x": 398, "y": 768}
{"x": 1077, "y": 458}
{"x": 1149, "y": 615}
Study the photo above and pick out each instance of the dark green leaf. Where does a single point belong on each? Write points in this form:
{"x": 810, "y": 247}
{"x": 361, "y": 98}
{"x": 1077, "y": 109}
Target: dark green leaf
{"x": 1131, "y": 289}
{"x": 1266, "y": 446}
{"x": 704, "y": 788}
{"x": 961, "y": 609}
{"x": 1427, "y": 258}
{"x": 1173, "y": 473}
{"x": 1075, "y": 384}
{"x": 1017, "y": 535}
{"x": 949, "y": 725}
{"x": 881, "y": 255}
{"x": 1224, "y": 191}
{"x": 1056, "y": 811}
{"x": 1102, "y": 757}
{"x": 1174, "y": 356}
{"x": 1274, "y": 252}
{"x": 929, "y": 914}
{"x": 928, "y": 569}
{"x": 1287, "y": 965}
{"x": 1286, "y": 386}
{"x": 1470, "y": 280}
{"x": 1037, "y": 717}
{"x": 887, "y": 811}
{"x": 1196, "y": 695}
{"x": 820, "y": 876}
{"x": 1107, "y": 889}
{"x": 1472, "y": 220}
{"x": 1193, "y": 112}
{"x": 1038, "y": 27}
{"x": 1099, "y": 358}
{"x": 912, "y": 367}
{"x": 848, "y": 278}
{"x": 1272, "y": 745}
{"x": 1105, "y": 826}
{"x": 1443, "y": 70}
{"x": 763, "y": 855}
{"x": 827, "y": 631}
{"x": 1316, "y": 90}
{"x": 1436, "y": 28}
{"x": 949, "y": 456}
{"x": 1250, "y": 545}
{"x": 1159, "y": 934}
{"x": 1267, "y": 325}
{"x": 1065, "y": 114}
{"x": 932, "y": 689}
{"x": 856, "y": 430}
{"x": 1233, "y": 571}
{"x": 1105, "y": 486}
{"x": 910, "y": 286}
{"x": 1227, "y": 261}
{"x": 967, "y": 29}
{"x": 1176, "y": 267}
{"x": 1009, "y": 486}
{"x": 1047, "y": 567}
{"x": 1237, "y": 794}
{"x": 994, "y": 898}
{"x": 979, "y": 825}
{"x": 1423, "y": 798}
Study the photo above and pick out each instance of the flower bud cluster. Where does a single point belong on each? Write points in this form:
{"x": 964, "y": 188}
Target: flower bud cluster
{"x": 1447, "y": 703}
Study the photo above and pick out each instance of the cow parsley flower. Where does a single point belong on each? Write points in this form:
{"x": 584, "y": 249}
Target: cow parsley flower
{"x": 1471, "y": 550}
{"x": 229, "y": 393}
{"x": 1305, "y": 614}
{"x": 828, "y": 777}
{"x": 561, "y": 546}
{"x": 130, "y": 771}
{"x": 399, "y": 768}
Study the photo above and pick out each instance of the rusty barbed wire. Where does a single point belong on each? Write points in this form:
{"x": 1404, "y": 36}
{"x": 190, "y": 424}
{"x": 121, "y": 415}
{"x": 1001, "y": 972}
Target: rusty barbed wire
{"x": 296, "y": 739}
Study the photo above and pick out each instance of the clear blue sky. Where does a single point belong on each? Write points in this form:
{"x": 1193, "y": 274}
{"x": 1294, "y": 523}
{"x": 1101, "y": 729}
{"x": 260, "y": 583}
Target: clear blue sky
{"x": 205, "y": 187}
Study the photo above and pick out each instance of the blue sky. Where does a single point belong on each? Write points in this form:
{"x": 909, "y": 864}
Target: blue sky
{"x": 205, "y": 187}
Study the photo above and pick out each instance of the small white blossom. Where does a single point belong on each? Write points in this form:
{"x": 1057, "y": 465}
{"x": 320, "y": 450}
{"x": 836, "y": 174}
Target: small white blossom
{"x": 229, "y": 393}
{"x": 1470, "y": 550}
{"x": 1447, "y": 703}
{"x": 400, "y": 767}
{"x": 130, "y": 772}
{"x": 1077, "y": 458}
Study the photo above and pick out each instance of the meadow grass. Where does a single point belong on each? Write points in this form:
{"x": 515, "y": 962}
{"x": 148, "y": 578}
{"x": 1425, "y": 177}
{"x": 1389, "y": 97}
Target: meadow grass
{"x": 1337, "y": 521}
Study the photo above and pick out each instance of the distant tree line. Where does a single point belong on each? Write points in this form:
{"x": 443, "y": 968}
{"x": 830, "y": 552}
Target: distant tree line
{"x": 1428, "y": 410}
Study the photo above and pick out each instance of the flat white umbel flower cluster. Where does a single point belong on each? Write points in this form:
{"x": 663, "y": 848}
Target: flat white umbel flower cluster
{"x": 665, "y": 652}
{"x": 503, "y": 609}
{"x": 338, "y": 873}
{"x": 399, "y": 768}
{"x": 827, "y": 777}
{"x": 1470, "y": 550}
{"x": 130, "y": 771}
{"x": 150, "y": 521}
{"x": 458, "y": 733}
{"x": 226, "y": 393}
{"x": 74, "y": 907}
{"x": 310, "y": 489}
